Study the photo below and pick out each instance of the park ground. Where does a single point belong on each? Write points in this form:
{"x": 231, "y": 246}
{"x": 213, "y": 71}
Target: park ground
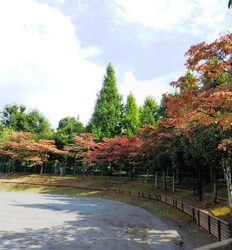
{"x": 95, "y": 186}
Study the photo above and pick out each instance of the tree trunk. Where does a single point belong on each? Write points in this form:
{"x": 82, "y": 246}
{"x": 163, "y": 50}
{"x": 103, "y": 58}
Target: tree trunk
{"x": 179, "y": 176}
{"x": 156, "y": 180}
{"x": 164, "y": 180}
{"x": 41, "y": 169}
{"x": 148, "y": 172}
{"x": 173, "y": 179}
{"x": 132, "y": 173}
{"x": 109, "y": 166}
{"x": 194, "y": 183}
{"x": 199, "y": 181}
{"x": 215, "y": 186}
{"x": 227, "y": 175}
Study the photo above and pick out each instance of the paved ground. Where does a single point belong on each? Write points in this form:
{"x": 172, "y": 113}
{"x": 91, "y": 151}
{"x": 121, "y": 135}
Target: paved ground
{"x": 41, "y": 221}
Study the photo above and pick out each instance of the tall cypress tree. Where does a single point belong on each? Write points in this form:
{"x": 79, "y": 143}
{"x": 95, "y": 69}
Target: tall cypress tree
{"x": 148, "y": 112}
{"x": 131, "y": 119}
{"x": 107, "y": 116}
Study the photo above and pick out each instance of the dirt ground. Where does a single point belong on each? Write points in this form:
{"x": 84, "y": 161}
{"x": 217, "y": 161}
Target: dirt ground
{"x": 45, "y": 221}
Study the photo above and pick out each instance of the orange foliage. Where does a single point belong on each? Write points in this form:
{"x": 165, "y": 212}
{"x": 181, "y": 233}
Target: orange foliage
{"x": 21, "y": 147}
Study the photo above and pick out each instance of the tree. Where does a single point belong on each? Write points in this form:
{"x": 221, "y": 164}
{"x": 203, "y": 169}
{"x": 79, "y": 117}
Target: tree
{"x": 226, "y": 148}
{"x": 15, "y": 116}
{"x": 131, "y": 119}
{"x": 229, "y": 4}
{"x": 148, "y": 112}
{"x": 67, "y": 126}
{"x": 106, "y": 152}
{"x": 161, "y": 109}
{"x": 111, "y": 151}
{"x": 22, "y": 147}
{"x": 155, "y": 141}
{"x": 107, "y": 116}
{"x": 38, "y": 124}
{"x": 203, "y": 109}
{"x": 82, "y": 145}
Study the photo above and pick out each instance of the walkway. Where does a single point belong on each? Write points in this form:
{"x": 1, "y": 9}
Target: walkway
{"x": 42, "y": 221}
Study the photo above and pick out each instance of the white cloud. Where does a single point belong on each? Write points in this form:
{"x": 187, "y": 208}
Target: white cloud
{"x": 41, "y": 63}
{"x": 153, "y": 87}
{"x": 180, "y": 16}
{"x": 90, "y": 52}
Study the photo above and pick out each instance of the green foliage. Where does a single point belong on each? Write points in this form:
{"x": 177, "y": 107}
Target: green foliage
{"x": 161, "y": 109}
{"x": 190, "y": 82}
{"x": 131, "y": 119}
{"x": 203, "y": 147}
{"x": 148, "y": 112}
{"x": 15, "y": 117}
{"x": 5, "y": 132}
{"x": 107, "y": 115}
{"x": 67, "y": 126}
{"x": 70, "y": 125}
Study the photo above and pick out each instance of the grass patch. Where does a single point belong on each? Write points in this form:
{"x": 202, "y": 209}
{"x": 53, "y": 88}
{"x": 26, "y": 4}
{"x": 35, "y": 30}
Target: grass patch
{"x": 220, "y": 211}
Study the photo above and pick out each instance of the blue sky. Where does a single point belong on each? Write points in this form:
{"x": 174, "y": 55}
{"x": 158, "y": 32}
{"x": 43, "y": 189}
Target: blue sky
{"x": 53, "y": 53}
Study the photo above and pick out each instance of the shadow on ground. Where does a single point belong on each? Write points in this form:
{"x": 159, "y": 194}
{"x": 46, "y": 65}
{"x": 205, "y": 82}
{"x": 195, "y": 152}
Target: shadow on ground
{"x": 42, "y": 221}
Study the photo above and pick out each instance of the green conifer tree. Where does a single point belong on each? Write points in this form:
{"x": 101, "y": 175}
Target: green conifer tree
{"x": 107, "y": 116}
{"x": 148, "y": 112}
{"x": 131, "y": 119}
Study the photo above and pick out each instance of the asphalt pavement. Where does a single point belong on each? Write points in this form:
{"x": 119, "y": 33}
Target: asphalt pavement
{"x": 44, "y": 221}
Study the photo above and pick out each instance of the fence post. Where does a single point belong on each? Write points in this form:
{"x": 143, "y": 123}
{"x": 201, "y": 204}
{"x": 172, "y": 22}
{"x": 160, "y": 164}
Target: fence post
{"x": 138, "y": 193}
{"x": 175, "y": 203}
{"x": 193, "y": 213}
{"x": 129, "y": 193}
{"x": 219, "y": 230}
{"x": 230, "y": 228}
{"x": 209, "y": 227}
{"x": 198, "y": 217}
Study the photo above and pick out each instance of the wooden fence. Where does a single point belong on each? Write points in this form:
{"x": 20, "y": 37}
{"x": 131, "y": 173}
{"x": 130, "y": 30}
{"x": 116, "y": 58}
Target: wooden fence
{"x": 215, "y": 226}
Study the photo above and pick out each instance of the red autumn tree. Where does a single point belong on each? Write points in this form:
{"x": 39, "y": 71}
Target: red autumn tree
{"x": 83, "y": 144}
{"x": 21, "y": 147}
{"x": 204, "y": 100}
{"x": 110, "y": 151}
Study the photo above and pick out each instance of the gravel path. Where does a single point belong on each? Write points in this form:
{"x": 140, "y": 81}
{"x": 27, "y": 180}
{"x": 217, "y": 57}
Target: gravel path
{"x": 42, "y": 221}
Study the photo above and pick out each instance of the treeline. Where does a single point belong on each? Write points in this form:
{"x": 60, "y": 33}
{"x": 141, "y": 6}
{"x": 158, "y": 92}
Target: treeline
{"x": 111, "y": 117}
{"x": 191, "y": 133}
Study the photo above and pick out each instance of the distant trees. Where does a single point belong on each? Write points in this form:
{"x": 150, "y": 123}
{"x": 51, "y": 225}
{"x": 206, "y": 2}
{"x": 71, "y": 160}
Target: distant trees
{"x": 189, "y": 131}
{"x": 196, "y": 122}
{"x": 131, "y": 120}
{"x": 107, "y": 116}
{"x": 149, "y": 112}
{"x": 110, "y": 119}
{"x": 22, "y": 147}
{"x": 16, "y": 117}
{"x": 66, "y": 128}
